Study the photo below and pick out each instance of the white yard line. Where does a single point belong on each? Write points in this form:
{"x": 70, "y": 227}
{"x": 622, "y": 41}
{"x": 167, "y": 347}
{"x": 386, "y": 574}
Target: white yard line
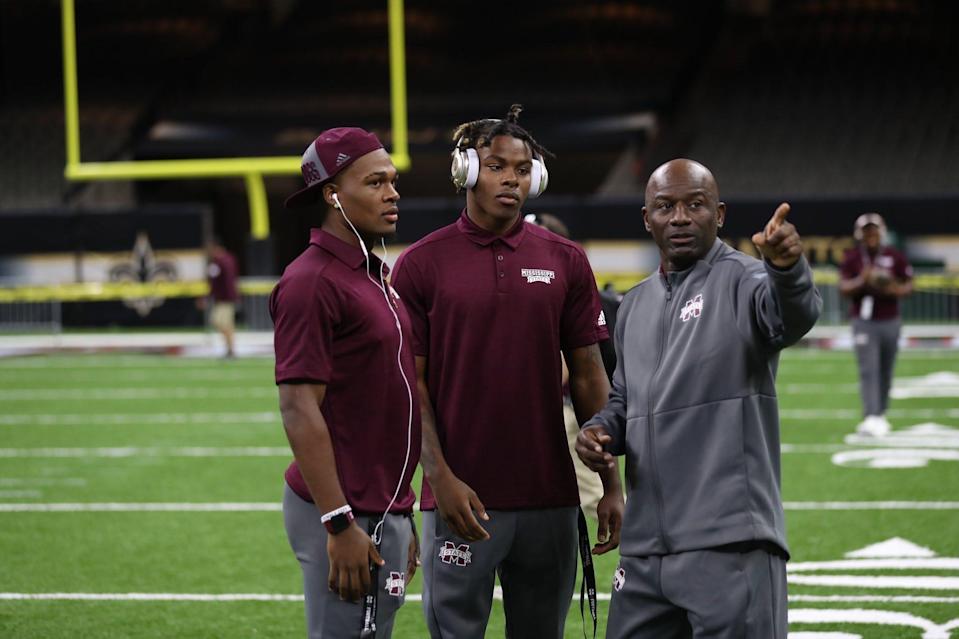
{"x": 871, "y": 505}
{"x": 798, "y": 388}
{"x": 856, "y": 413}
{"x": 148, "y": 375}
{"x": 74, "y": 419}
{"x": 155, "y": 451}
{"x": 931, "y": 630}
{"x": 893, "y": 563}
{"x": 273, "y": 506}
{"x": 135, "y": 393}
{"x": 412, "y": 597}
{"x": 42, "y": 481}
{"x": 283, "y": 451}
{"x": 94, "y": 361}
{"x": 873, "y": 599}
{"x": 877, "y": 581}
{"x": 128, "y": 507}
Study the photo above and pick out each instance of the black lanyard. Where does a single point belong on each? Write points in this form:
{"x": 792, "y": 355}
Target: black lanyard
{"x": 587, "y": 588}
{"x": 370, "y": 601}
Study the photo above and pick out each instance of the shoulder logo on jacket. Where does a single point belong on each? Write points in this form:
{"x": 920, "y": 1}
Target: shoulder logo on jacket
{"x": 692, "y": 308}
{"x": 538, "y": 275}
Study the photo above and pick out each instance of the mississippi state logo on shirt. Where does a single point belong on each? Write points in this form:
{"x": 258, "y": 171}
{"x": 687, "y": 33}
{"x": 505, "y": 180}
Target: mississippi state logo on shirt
{"x": 456, "y": 555}
{"x": 619, "y": 579}
{"x": 396, "y": 584}
{"x": 692, "y": 308}
{"x": 538, "y": 275}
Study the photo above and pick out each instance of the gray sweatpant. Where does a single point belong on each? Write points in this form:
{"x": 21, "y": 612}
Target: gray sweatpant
{"x": 534, "y": 553}
{"x": 876, "y": 343}
{"x": 327, "y": 616}
{"x": 699, "y": 594}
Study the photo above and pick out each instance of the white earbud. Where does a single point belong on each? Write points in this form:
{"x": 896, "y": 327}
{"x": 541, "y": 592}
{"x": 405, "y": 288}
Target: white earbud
{"x": 336, "y": 201}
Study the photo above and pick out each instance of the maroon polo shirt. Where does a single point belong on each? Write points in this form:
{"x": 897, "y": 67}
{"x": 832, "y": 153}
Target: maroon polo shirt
{"x": 887, "y": 259}
{"x": 332, "y": 326}
{"x": 491, "y": 314}
{"x": 222, "y": 272}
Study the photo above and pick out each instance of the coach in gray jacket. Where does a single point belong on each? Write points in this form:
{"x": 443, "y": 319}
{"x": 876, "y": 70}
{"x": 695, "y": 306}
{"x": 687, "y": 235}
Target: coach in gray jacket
{"x": 693, "y": 407}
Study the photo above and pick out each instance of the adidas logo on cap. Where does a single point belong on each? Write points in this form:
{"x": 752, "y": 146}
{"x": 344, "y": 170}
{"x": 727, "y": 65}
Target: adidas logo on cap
{"x": 341, "y": 158}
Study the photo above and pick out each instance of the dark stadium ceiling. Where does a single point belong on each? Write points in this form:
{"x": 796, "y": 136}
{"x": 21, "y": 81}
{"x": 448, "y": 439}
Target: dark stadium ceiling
{"x": 201, "y": 78}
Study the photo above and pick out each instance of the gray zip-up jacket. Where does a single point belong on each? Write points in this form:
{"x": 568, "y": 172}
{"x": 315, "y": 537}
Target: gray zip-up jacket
{"x": 693, "y": 403}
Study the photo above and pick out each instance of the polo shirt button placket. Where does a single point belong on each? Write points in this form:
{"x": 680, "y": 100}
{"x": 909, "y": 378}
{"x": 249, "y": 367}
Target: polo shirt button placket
{"x": 500, "y": 271}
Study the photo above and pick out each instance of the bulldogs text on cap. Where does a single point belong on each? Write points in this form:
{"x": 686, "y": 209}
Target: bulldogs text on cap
{"x": 330, "y": 153}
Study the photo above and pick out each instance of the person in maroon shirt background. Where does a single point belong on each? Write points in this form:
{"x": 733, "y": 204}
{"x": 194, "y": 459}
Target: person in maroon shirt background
{"x": 494, "y": 302}
{"x": 222, "y": 271}
{"x": 345, "y": 373}
{"x": 874, "y": 276}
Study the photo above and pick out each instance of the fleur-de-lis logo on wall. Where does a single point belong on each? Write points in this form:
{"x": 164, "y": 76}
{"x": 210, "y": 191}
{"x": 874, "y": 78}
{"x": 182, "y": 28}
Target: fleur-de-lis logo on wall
{"x": 143, "y": 267}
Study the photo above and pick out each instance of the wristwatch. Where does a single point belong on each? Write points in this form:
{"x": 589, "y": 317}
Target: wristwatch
{"x": 336, "y": 521}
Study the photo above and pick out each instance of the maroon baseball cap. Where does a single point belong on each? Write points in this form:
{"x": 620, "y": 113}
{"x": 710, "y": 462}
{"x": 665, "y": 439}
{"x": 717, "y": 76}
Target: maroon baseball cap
{"x": 330, "y": 153}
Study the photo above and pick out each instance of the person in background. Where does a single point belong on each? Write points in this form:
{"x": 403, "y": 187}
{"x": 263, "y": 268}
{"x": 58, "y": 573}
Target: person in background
{"x": 222, "y": 272}
{"x": 874, "y": 276}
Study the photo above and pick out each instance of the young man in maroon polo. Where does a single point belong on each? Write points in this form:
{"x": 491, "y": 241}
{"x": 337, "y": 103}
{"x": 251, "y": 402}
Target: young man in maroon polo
{"x": 345, "y": 374}
{"x": 874, "y": 276}
{"x": 494, "y": 302}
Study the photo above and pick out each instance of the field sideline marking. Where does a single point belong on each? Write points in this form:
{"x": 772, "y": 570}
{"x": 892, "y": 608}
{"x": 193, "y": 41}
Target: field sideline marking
{"x": 74, "y": 419}
{"x": 202, "y": 597}
{"x": 856, "y": 413}
{"x": 283, "y": 451}
{"x": 877, "y": 581}
{"x": 267, "y": 506}
{"x": 123, "y": 507}
{"x": 151, "y": 451}
{"x": 871, "y": 505}
{"x": 135, "y": 393}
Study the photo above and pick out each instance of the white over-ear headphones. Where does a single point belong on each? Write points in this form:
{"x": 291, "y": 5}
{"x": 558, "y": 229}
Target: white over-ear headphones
{"x": 464, "y": 170}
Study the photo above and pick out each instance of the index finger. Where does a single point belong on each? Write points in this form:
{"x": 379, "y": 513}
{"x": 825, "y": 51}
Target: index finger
{"x": 780, "y": 215}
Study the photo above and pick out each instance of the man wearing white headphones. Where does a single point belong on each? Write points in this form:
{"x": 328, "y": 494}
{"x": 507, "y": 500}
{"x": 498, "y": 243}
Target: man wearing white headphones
{"x": 874, "y": 277}
{"x": 494, "y": 301}
{"x": 345, "y": 373}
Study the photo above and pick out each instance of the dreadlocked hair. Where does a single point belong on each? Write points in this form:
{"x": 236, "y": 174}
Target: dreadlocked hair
{"x": 480, "y": 133}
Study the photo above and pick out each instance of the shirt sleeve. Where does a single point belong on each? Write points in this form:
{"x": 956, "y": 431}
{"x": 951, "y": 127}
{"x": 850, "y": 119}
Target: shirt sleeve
{"x": 777, "y": 306}
{"x": 305, "y": 315}
{"x": 409, "y": 284}
{"x": 583, "y": 322}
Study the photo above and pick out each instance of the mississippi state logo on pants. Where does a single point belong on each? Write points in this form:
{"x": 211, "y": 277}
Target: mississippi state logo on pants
{"x": 619, "y": 579}
{"x": 459, "y": 555}
{"x": 396, "y": 583}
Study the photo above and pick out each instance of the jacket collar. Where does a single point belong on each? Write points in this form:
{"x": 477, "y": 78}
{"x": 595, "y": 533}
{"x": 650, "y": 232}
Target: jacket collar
{"x": 674, "y": 278}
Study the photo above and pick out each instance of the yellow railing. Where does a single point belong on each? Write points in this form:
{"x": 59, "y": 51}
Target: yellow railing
{"x": 92, "y": 291}
{"x": 251, "y": 169}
